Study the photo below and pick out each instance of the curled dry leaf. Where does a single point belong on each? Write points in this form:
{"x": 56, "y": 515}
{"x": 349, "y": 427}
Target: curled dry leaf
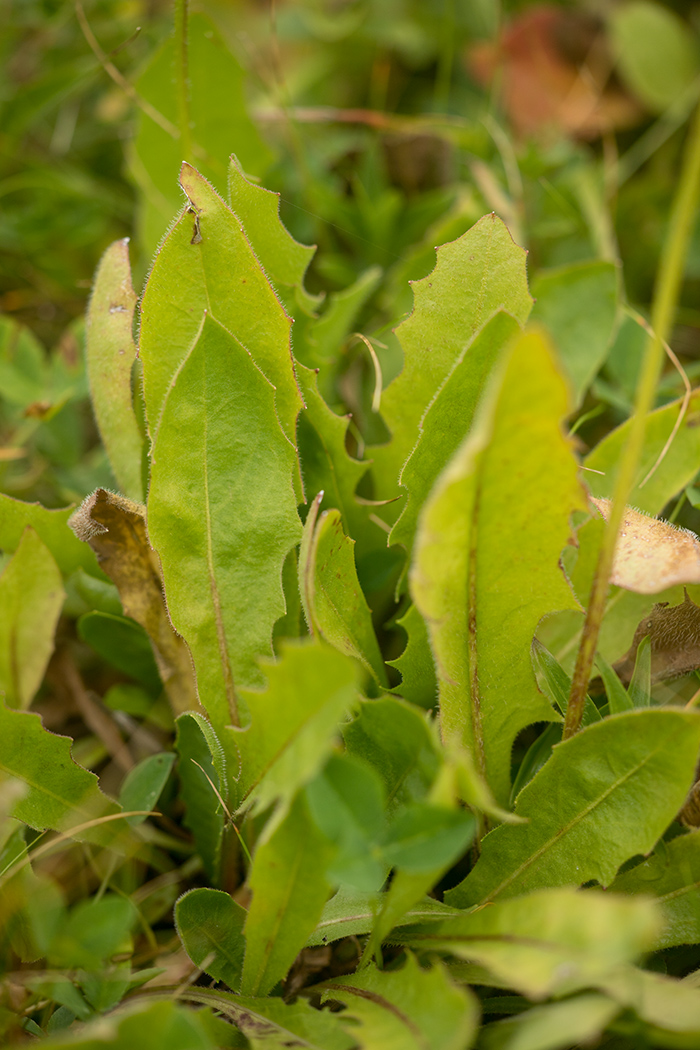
{"x": 652, "y": 555}
{"x": 674, "y": 635}
{"x": 115, "y": 528}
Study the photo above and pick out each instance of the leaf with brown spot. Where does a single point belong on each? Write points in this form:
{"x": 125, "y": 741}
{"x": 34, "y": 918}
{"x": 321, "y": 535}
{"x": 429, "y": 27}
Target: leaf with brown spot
{"x": 652, "y": 555}
{"x": 115, "y": 528}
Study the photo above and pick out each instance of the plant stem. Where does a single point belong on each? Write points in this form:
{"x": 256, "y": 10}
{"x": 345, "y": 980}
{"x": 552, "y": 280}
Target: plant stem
{"x": 666, "y": 293}
{"x": 182, "y": 80}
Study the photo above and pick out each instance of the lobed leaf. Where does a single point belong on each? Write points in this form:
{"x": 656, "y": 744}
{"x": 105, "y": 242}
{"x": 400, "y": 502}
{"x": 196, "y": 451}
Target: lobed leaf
{"x": 406, "y": 1009}
{"x": 483, "y": 271}
{"x": 486, "y": 567}
{"x": 293, "y": 723}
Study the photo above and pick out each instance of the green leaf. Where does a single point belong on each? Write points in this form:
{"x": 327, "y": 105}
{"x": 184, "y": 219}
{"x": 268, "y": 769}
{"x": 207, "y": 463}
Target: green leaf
{"x": 350, "y": 913}
{"x": 31, "y": 598}
{"x": 677, "y": 469}
{"x": 143, "y": 784}
{"x": 203, "y": 814}
{"x": 124, "y": 644}
{"x": 60, "y": 793}
{"x": 486, "y": 567}
{"x": 535, "y": 757}
{"x": 640, "y": 686}
{"x": 556, "y": 683}
{"x": 290, "y": 887}
{"x": 672, "y": 876}
{"x": 325, "y": 463}
{"x": 51, "y": 526}
{"x": 294, "y": 722}
{"x": 147, "y": 1026}
{"x": 346, "y": 800}
{"x": 481, "y": 272}
{"x": 580, "y": 1020}
{"x": 325, "y": 336}
{"x": 551, "y": 942}
{"x": 396, "y": 740}
{"x": 93, "y": 931}
{"x": 656, "y": 52}
{"x": 272, "y": 1024}
{"x": 210, "y": 926}
{"x": 110, "y": 355}
{"x": 416, "y": 665}
{"x": 578, "y": 306}
{"x": 334, "y": 604}
{"x": 222, "y": 515}
{"x": 605, "y": 795}
{"x": 215, "y": 271}
{"x": 425, "y": 837}
{"x": 219, "y": 125}
{"x": 448, "y": 419}
{"x": 406, "y": 1009}
{"x": 618, "y": 697}
{"x": 283, "y": 258}
{"x": 670, "y": 1008}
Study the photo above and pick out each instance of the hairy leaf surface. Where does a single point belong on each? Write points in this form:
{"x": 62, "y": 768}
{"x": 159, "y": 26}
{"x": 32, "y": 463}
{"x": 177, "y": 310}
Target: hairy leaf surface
{"x": 486, "y": 568}
{"x": 222, "y": 514}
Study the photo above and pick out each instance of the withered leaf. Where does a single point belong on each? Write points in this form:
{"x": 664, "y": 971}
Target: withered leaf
{"x": 674, "y": 634}
{"x": 115, "y": 528}
{"x": 652, "y": 555}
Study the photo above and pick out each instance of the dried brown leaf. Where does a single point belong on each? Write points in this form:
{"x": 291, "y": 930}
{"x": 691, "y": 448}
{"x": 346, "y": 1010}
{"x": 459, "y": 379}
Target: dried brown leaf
{"x": 652, "y": 555}
{"x": 674, "y": 635}
{"x": 115, "y": 528}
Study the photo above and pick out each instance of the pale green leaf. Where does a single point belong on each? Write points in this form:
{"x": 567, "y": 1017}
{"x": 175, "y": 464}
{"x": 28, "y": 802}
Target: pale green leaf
{"x": 448, "y": 419}
{"x": 350, "y": 913}
{"x": 210, "y": 926}
{"x": 481, "y": 272}
{"x": 334, "y": 604}
{"x": 407, "y": 1009}
{"x": 580, "y": 1021}
{"x": 60, "y": 793}
{"x": 51, "y": 526}
{"x": 219, "y": 125}
{"x": 293, "y": 722}
{"x": 110, "y": 353}
{"x": 670, "y": 1007}
{"x": 605, "y": 795}
{"x": 656, "y": 53}
{"x": 290, "y": 888}
{"x": 578, "y": 306}
{"x": 618, "y": 697}
{"x": 222, "y": 514}
{"x": 672, "y": 876}
{"x": 31, "y": 598}
{"x": 548, "y": 942}
{"x": 640, "y": 686}
{"x": 486, "y": 567}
